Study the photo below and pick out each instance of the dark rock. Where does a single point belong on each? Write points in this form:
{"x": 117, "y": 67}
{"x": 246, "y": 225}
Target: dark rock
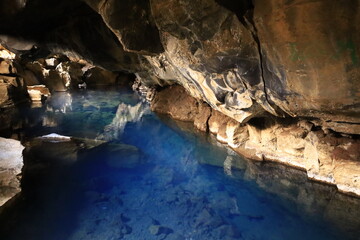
{"x": 158, "y": 230}
{"x": 98, "y": 76}
{"x": 117, "y": 155}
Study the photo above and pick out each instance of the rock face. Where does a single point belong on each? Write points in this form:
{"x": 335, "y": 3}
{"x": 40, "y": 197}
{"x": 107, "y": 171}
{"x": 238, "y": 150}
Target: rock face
{"x": 246, "y": 59}
{"x": 12, "y": 87}
{"x": 11, "y": 162}
{"x": 298, "y": 143}
{"x": 255, "y": 62}
{"x": 311, "y": 68}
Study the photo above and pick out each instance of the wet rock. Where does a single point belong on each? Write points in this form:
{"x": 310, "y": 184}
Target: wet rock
{"x": 11, "y": 163}
{"x": 6, "y": 54}
{"x": 51, "y": 62}
{"x": 201, "y": 119}
{"x": 175, "y": 102}
{"x": 228, "y": 232}
{"x": 29, "y": 78}
{"x": 98, "y": 76}
{"x": 158, "y": 230}
{"x": 4, "y": 94}
{"x": 228, "y": 56}
{"x": 11, "y": 90}
{"x": 116, "y": 155}
{"x": 53, "y": 150}
{"x": 55, "y": 81}
{"x": 72, "y": 72}
{"x": 181, "y": 106}
{"x": 6, "y": 67}
{"x": 38, "y": 92}
{"x": 175, "y": 236}
{"x": 325, "y": 156}
{"x": 122, "y": 156}
{"x": 154, "y": 229}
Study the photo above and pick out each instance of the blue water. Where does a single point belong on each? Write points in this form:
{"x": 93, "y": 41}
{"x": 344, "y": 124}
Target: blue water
{"x": 174, "y": 187}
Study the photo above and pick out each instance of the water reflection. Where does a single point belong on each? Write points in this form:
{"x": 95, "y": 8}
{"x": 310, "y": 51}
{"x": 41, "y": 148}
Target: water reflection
{"x": 155, "y": 178}
{"x": 125, "y": 113}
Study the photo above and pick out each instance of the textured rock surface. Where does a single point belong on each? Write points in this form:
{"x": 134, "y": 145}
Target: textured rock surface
{"x": 325, "y": 157}
{"x": 11, "y": 162}
{"x": 245, "y": 59}
{"x": 248, "y": 60}
{"x": 312, "y": 69}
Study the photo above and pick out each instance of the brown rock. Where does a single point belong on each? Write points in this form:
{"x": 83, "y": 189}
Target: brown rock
{"x": 202, "y": 118}
{"x": 4, "y": 94}
{"x": 216, "y": 120}
{"x": 176, "y": 102}
{"x": 29, "y": 78}
{"x": 5, "y": 53}
{"x": 11, "y": 90}
{"x": 6, "y": 67}
{"x": 312, "y": 69}
{"x": 98, "y": 76}
{"x": 37, "y": 92}
{"x": 55, "y": 81}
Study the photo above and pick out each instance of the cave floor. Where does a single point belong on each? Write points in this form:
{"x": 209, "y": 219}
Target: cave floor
{"x": 146, "y": 176}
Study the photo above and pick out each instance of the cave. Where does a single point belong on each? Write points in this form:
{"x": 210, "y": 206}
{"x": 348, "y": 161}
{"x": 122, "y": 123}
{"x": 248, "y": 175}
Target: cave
{"x": 179, "y": 119}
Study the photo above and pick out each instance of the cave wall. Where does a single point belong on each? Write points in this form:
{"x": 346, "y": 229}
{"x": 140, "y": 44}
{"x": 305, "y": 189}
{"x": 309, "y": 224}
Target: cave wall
{"x": 247, "y": 59}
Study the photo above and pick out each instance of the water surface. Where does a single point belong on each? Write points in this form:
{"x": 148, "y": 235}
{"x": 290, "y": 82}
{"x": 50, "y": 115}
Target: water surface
{"x": 148, "y": 177}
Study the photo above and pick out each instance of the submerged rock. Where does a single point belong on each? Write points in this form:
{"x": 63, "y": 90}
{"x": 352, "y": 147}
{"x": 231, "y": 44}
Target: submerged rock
{"x": 122, "y": 156}
{"x": 11, "y": 163}
{"x": 159, "y": 230}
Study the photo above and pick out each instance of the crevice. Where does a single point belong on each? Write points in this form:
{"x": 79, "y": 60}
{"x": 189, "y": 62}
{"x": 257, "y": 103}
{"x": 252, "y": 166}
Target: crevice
{"x": 244, "y": 10}
{"x": 253, "y": 31}
{"x": 208, "y": 119}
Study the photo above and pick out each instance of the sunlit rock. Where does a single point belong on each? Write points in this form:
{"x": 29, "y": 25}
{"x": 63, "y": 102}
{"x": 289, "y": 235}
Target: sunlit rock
{"x": 38, "y": 92}
{"x": 51, "y": 62}
{"x": 11, "y": 162}
{"x": 6, "y": 67}
{"x": 6, "y": 54}
{"x": 324, "y": 156}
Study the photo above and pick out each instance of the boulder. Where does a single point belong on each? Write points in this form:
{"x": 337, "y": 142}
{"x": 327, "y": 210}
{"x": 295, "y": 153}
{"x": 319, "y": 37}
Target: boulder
{"x": 38, "y": 92}
{"x": 11, "y": 163}
{"x": 55, "y": 81}
{"x": 11, "y": 90}
{"x": 175, "y": 102}
{"x": 6, "y": 67}
{"x": 30, "y": 78}
{"x": 123, "y": 156}
{"x": 6, "y": 54}
{"x": 98, "y": 76}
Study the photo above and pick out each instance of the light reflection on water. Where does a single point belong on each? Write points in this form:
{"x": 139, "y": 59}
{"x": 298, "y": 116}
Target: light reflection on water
{"x": 169, "y": 187}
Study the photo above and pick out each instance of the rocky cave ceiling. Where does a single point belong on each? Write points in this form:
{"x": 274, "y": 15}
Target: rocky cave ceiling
{"x": 296, "y": 58}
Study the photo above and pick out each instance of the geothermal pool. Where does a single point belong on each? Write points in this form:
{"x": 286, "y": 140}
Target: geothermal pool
{"x": 132, "y": 174}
